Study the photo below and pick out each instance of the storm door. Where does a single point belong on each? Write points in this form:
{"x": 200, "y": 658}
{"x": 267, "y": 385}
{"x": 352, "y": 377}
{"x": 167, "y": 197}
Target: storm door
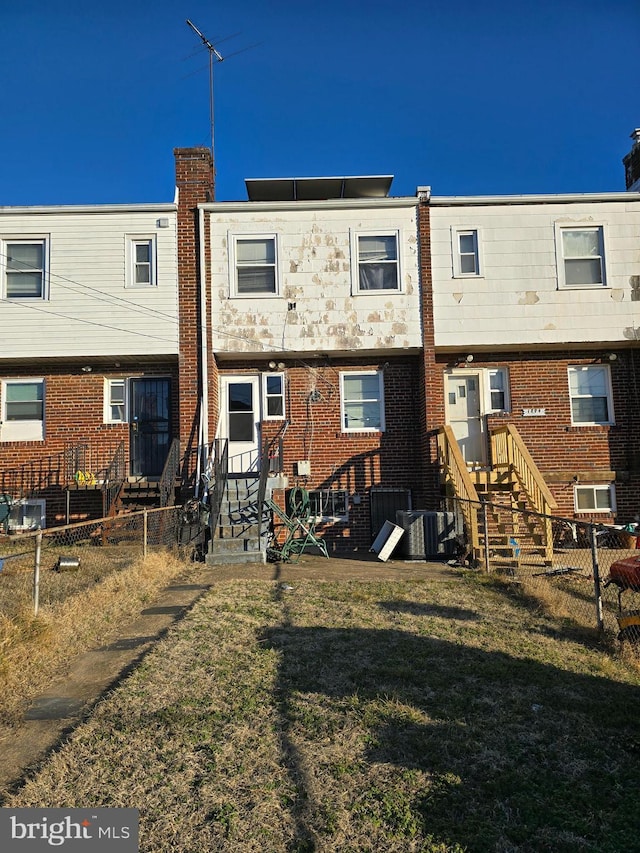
{"x": 240, "y": 421}
{"x": 463, "y": 415}
{"x": 150, "y": 425}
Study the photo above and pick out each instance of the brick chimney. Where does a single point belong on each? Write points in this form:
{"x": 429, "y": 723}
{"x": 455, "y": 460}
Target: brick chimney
{"x": 194, "y": 185}
{"x": 632, "y": 163}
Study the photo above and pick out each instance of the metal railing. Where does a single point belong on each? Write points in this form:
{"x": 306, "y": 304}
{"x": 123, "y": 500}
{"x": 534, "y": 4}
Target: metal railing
{"x": 167, "y": 484}
{"x": 271, "y": 462}
{"x": 219, "y": 467}
{"x": 113, "y": 481}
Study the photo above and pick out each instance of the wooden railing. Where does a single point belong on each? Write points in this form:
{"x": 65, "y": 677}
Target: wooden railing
{"x": 457, "y": 476}
{"x": 509, "y": 453}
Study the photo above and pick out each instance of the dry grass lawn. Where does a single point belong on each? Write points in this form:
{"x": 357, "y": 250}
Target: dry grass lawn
{"x": 78, "y": 611}
{"x": 354, "y": 716}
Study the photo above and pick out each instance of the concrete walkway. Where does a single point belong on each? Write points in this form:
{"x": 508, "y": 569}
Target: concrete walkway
{"x": 54, "y": 714}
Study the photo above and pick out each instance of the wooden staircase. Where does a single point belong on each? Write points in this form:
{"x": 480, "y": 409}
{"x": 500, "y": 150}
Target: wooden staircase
{"x": 505, "y": 506}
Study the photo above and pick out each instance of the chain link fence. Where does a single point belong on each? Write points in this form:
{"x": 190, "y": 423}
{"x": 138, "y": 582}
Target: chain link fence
{"x": 586, "y": 573}
{"x": 45, "y": 567}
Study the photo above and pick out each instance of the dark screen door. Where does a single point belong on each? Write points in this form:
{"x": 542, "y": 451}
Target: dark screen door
{"x": 150, "y": 407}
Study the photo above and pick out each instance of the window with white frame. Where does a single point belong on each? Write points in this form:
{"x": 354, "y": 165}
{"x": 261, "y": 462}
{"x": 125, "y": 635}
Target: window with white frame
{"x": 28, "y": 514}
{"x": 590, "y": 393}
{"x": 115, "y": 401}
{"x": 329, "y": 505}
{"x": 141, "y": 261}
{"x": 466, "y": 254}
{"x": 377, "y": 262}
{"x": 498, "y": 396}
{"x": 594, "y": 498}
{"x": 362, "y": 401}
{"x": 25, "y": 263}
{"x": 255, "y": 265}
{"x": 581, "y": 256}
{"x": 273, "y": 396}
{"x": 22, "y": 410}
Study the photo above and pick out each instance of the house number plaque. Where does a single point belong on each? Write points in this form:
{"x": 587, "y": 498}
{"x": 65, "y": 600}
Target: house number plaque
{"x": 534, "y": 413}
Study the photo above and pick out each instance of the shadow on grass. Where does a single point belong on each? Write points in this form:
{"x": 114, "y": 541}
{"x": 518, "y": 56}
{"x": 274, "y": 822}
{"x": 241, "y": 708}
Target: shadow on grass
{"x": 512, "y": 754}
{"x": 418, "y": 609}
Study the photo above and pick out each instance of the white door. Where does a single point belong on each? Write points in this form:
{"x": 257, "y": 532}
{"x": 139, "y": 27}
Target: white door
{"x": 240, "y": 421}
{"x": 464, "y": 417}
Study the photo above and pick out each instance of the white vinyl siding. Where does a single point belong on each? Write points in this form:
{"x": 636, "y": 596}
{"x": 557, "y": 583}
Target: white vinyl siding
{"x": 89, "y": 310}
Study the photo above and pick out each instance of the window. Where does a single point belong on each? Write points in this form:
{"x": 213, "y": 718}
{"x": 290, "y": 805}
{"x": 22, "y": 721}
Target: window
{"x": 466, "y": 256}
{"x": 329, "y": 505}
{"x": 273, "y": 395}
{"x": 377, "y": 262}
{"x": 255, "y": 260}
{"x": 498, "y": 390}
{"x": 27, "y": 515}
{"x": 25, "y": 264}
{"x": 581, "y": 261}
{"x": 142, "y": 262}
{"x": 590, "y": 393}
{"x": 22, "y": 410}
{"x": 594, "y": 498}
{"x": 115, "y": 401}
{"x": 362, "y": 402}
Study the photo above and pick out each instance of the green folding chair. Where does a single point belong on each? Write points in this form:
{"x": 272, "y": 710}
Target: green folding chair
{"x": 299, "y": 537}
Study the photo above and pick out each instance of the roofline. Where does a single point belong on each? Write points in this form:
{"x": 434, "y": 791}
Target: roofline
{"x": 160, "y": 207}
{"x": 547, "y": 198}
{"x": 320, "y": 204}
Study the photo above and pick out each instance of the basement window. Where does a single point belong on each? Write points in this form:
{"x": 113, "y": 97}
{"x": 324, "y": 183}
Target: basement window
{"x": 594, "y": 498}
{"x": 329, "y": 505}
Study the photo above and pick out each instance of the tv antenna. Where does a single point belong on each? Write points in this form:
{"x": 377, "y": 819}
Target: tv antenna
{"x": 214, "y": 56}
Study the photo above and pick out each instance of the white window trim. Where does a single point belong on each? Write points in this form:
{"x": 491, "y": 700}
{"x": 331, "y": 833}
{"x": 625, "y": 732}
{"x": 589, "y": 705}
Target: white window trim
{"x": 560, "y": 259}
{"x": 355, "y": 260}
{"x": 487, "y": 389}
{"x": 594, "y": 488}
{"x": 265, "y": 408}
{"x": 380, "y": 376}
{"x": 39, "y": 503}
{"x": 33, "y": 430}
{"x": 44, "y": 239}
{"x": 456, "y": 231}
{"x": 132, "y": 240}
{"x": 609, "y": 393}
{"x": 108, "y": 382}
{"x": 232, "y": 240}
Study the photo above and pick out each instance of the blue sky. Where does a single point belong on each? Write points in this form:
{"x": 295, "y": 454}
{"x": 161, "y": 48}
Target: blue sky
{"x": 468, "y": 97}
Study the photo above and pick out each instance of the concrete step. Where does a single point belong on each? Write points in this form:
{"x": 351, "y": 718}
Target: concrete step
{"x": 235, "y": 558}
{"x": 234, "y": 546}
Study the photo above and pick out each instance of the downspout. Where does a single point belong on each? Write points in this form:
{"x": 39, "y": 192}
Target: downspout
{"x": 204, "y": 373}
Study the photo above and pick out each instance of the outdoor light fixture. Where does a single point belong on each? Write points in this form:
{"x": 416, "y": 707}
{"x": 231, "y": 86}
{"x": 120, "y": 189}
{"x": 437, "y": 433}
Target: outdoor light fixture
{"x": 611, "y": 356}
{"x": 464, "y": 359}
{"x": 87, "y": 368}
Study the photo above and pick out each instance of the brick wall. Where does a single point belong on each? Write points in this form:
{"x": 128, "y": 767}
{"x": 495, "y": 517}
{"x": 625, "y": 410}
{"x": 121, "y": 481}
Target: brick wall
{"x": 562, "y": 451}
{"x": 194, "y": 182}
{"x": 352, "y": 461}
